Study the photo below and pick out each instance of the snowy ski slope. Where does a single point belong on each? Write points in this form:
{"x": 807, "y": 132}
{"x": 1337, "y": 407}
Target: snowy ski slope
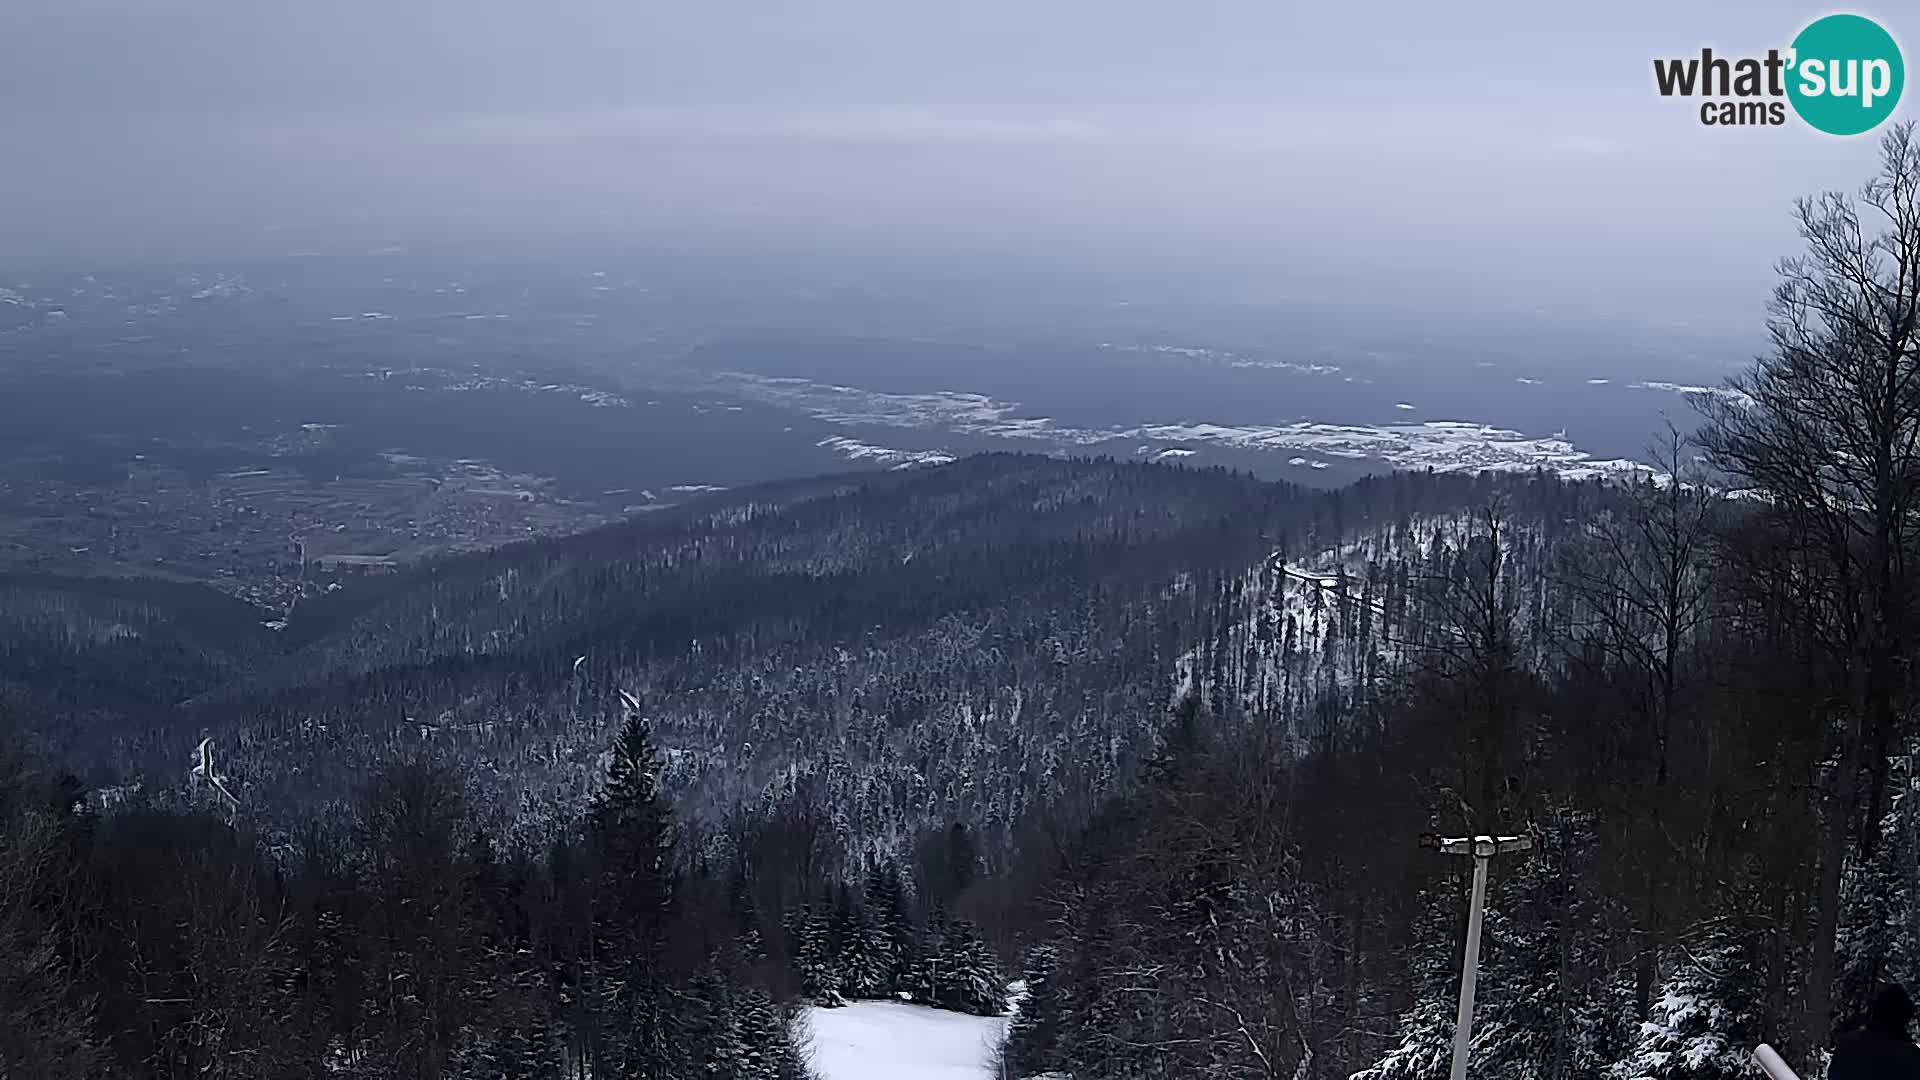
{"x": 893, "y": 1040}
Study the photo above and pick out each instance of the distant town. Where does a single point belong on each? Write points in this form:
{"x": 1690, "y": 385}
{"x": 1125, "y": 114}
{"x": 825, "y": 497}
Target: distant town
{"x": 269, "y": 535}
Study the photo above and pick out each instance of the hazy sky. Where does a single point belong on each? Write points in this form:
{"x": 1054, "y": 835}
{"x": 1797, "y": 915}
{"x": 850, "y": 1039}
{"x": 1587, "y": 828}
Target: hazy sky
{"x": 1510, "y": 149}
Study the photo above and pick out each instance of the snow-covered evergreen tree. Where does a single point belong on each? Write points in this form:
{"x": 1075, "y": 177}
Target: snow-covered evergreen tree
{"x": 1880, "y": 936}
{"x": 884, "y": 903}
{"x": 771, "y": 1039}
{"x": 1033, "y": 1039}
{"x": 968, "y": 979}
{"x": 632, "y": 828}
{"x": 1425, "y": 1047}
{"x": 1706, "y": 1022}
{"x": 749, "y": 942}
{"x": 814, "y": 962}
{"x": 1547, "y": 1003}
{"x": 866, "y": 954}
{"x": 1425, "y": 1050}
{"x": 714, "y": 1029}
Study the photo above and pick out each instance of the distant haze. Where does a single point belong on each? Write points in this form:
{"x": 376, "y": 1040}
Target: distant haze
{"x": 1511, "y": 154}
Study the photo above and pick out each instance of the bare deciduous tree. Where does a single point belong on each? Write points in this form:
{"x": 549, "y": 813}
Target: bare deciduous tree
{"x": 1642, "y": 591}
{"x": 1823, "y": 432}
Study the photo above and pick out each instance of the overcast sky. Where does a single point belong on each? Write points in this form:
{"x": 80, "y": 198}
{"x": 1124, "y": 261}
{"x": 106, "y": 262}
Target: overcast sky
{"x": 1513, "y": 148}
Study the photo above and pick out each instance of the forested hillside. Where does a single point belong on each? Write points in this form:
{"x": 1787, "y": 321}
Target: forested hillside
{"x": 877, "y": 704}
{"x": 91, "y": 658}
{"x": 971, "y": 643}
{"x": 406, "y": 944}
{"x": 1694, "y": 698}
{"x": 882, "y": 706}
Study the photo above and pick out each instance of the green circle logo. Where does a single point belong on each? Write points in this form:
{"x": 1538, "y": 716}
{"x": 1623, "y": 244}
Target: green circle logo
{"x": 1846, "y": 74}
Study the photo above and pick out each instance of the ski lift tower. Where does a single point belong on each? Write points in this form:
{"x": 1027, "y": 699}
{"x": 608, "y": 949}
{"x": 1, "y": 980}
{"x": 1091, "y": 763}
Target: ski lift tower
{"x": 1482, "y": 849}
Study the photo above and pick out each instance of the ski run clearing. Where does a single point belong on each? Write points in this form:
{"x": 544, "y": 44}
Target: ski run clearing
{"x": 893, "y": 1040}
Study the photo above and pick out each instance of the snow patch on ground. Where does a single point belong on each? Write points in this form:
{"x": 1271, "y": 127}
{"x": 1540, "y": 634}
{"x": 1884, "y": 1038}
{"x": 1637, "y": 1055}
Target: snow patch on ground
{"x": 599, "y": 399}
{"x": 1225, "y": 356}
{"x": 1727, "y": 392}
{"x": 892, "y": 1040}
{"x": 1447, "y": 445}
{"x": 1282, "y": 365}
{"x": 222, "y": 287}
{"x": 855, "y": 450}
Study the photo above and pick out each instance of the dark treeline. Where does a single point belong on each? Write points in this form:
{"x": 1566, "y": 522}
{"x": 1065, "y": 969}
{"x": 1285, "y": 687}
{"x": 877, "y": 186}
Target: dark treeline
{"x": 989, "y": 644}
{"x": 1260, "y": 907}
{"x": 172, "y": 943}
{"x": 1698, "y": 705}
{"x": 165, "y": 943}
{"x": 985, "y": 642}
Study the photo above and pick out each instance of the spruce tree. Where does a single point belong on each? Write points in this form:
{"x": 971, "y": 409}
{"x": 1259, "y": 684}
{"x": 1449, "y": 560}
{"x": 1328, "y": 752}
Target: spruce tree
{"x": 45, "y": 1019}
{"x": 1033, "y": 1039}
{"x": 866, "y": 954}
{"x": 714, "y": 1030}
{"x": 750, "y": 944}
{"x": 926, "y": 976}
{"x": 813, "y": 958}
{"x": 1425, "y": 1047}
{"x": 1880, "y": 936}
{"x": 886, "y": 907}
{"x": 769, "y": 1040}
{"x": 632, "y": 830}
{"x": 1706, "y": 1021}
{"x": 970, "y": 980}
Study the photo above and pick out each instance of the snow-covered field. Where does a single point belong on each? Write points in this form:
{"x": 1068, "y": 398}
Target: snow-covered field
{"x": 1447, "y": 445}
{"x": 892, "y": 1040}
